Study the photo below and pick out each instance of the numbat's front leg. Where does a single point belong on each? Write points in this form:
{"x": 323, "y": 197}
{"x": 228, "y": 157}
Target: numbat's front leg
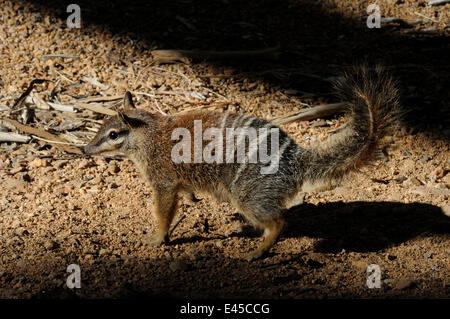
{"x": 166, "y": 200}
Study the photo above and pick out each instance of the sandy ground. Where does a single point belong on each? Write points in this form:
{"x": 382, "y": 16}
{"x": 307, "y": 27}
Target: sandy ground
{"x": 58, "y": 209}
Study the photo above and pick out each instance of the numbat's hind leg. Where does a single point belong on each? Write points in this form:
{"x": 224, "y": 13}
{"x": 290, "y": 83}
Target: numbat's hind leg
{"x": 272, "y": 230}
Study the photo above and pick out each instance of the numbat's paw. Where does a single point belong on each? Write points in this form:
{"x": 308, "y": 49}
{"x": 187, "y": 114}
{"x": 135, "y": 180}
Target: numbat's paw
{"x": 158, "y": 240}
{"x": 254, "y": 255}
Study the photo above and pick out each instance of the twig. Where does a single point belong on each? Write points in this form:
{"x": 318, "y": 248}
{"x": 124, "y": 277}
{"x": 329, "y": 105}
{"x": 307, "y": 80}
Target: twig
{"x": 311, "y": 114}
{"x": 176, "y": 224}
{"x": 60, "y": 107}
{"x": 63, "y": 56}
{"x": 101, "y": 98}
{"x": 43, "y": 134}
{"x": 95, "y": 82}
{"x": 424, "y": 16}
{"x": 56, "y": 142}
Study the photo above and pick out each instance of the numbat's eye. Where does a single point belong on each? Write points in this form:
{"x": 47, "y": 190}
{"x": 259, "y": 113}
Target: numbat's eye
{"x": 113, "y": 135}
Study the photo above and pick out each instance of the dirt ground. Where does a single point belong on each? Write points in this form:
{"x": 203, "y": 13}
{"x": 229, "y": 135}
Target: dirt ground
{"x": 58, "y": 209}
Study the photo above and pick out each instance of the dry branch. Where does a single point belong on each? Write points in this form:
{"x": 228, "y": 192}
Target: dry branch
{"x": 185, "y": 56}
{"x": 311, "y": 114}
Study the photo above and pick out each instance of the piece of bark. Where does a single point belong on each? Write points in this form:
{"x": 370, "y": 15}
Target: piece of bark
{"x": 95, "y": 107}
{"x": 437, "y": 2}
{"x": 24, "y": 95}
{"x": 13, "y": 137}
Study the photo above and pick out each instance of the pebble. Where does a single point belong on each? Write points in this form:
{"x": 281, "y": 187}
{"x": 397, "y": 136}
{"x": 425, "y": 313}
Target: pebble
{"x": 49, "y": 245}
{"x": 446, "y": 210}
{"x": 38, "y": 162}
{"x": 424, "y": 159}
{"x": 84, "y": 164}
{"x": 17, "y": 169}
{"x": 113, "y": 185}
{"x": 438, "y": 172}
{"x": 100, "y": 162}
{"x": 113, "y": 169}
{"x": 428, "y": 254}
{"x": 391, "y": 257}
{"x": 415, "y": 181}
{"x": 404, "y": 284}
{"x": 25, "y": 177}
{"x": 103, "y": 252}
{"x": 360, "y": 265}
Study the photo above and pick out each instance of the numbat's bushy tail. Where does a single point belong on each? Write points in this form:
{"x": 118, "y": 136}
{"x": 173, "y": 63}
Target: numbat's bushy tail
{"x": 148, "y": 140}
{"x": 373, "y": 108}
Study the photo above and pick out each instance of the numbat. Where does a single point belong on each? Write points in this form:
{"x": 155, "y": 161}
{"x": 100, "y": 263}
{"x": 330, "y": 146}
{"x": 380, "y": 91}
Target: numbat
{"x": 148, "y": 139}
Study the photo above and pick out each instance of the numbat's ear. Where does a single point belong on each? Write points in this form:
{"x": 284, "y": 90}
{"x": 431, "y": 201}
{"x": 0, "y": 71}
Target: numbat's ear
{"x": 128, "y": 102}
{"x": 131, "y": 122}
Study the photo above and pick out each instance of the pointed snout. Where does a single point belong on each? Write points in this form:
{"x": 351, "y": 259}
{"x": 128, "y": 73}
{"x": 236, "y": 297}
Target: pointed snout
{"x": 89, "y": 149}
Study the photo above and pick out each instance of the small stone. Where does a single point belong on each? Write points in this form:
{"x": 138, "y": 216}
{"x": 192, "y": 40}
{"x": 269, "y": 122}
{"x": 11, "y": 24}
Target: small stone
{"x": 360, "y": 265}
{"x": 415, "y": 181}
{"x": 404, "y": 284}
{"x": 219, "y": 244}
{"x": 49, "y": 245}
{"x": 96, "y": 180}
{"x": 17, "y": 169}
{"x": 113, "y": 185}
{"x": 25, "y": 177}
{"x": 400, "y": 179}
{"x": 446, "y": 210}
{"x": 103, "y": 252}
{"x": 389, "y": 281}
{"x": 428, "y": 254}
{"x": 391, "y": 257}
{"x": 60, "y": 163}
{"x": 438, "y": 173}
{"x": 424, "y": 159}
{"x": 100, "y": 162}
{"x": 38, "y": 162}
{"x": 84, "y": 164}
{"x": 113, "y": 169}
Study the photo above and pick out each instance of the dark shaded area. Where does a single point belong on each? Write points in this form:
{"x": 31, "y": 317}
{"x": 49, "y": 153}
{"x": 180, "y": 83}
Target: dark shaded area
{"x": 365, "y": 226}
{"x": 312, "y": 41}
{"x": 355, "y": 227}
